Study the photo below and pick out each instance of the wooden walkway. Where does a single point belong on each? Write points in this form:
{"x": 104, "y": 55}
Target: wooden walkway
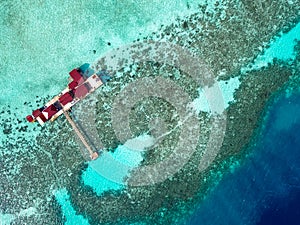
{"x": 93, "y": 155}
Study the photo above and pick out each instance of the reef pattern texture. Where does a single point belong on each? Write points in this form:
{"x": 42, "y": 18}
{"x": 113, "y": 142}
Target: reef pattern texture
{"x": 226, "y": 39}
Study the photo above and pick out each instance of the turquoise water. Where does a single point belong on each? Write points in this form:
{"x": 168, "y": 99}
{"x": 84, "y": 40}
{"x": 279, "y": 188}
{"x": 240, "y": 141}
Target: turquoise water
{"x": 269, "y": 179}
{"x": 65, "y": 38}
{"x": 67, "y": 209}
{"x": 41, "y": 41}
{"x": 6, "y": 219}
{"x": 109, "y": 171}
{"x": 281, "y": 47}
{"x": 227, "y": 88}
{"x": 39, "y": 48}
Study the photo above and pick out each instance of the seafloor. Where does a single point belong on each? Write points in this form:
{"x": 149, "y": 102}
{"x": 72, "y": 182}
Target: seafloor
{"x": 251, "y": 48}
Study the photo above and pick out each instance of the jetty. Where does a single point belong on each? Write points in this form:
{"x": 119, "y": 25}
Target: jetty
{"x": 93, "y": 155}
{"x": 84, "y": 81}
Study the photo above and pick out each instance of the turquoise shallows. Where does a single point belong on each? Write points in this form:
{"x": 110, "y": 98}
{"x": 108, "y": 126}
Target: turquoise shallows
{"x": 68, "y": 211}
{"x": 6, "y": 219}
{"x": 111, "y": 168}
{"x": 99, "y": 183}
{"x": 281, "y": 48}
{"x": 39, "y": 48}
{"x": 227, "y": 88}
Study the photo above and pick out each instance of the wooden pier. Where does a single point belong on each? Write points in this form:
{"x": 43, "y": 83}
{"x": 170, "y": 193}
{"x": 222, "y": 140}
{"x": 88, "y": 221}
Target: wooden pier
{"x": 93, "y": 155}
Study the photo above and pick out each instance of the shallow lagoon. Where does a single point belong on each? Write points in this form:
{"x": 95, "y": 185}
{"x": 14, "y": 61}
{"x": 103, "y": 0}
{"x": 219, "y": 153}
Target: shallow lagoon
{"x": 43, "y": 72}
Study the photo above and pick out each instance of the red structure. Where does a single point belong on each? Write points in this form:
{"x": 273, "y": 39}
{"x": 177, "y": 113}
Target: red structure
{"x": 65, "y": 98}
{"x": 84, "y": 81}
{"x": 29, "y": 118}
{"x": 77, "y": 77}
{"x": 73, "y": 84}
{"x": 50, "y": 111}
{"x": 36, "y": 112}
{"x": 81, "y": 91}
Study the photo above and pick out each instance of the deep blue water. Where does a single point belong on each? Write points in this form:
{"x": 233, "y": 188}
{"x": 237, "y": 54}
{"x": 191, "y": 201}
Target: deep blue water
{"x": 266, "y": 188}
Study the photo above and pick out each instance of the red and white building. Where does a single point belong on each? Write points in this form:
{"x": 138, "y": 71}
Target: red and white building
{"x": 84, "y": 82}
